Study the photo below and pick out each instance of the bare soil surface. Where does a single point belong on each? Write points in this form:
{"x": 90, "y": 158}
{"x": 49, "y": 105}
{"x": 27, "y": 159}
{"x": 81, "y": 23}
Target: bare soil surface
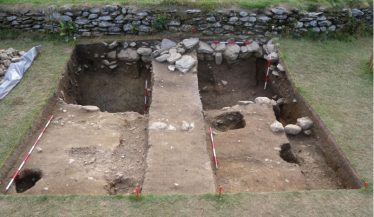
{"x": 250, "y": 157}
{"x": 89, "y": 153}
{"x": 177, "y": 160}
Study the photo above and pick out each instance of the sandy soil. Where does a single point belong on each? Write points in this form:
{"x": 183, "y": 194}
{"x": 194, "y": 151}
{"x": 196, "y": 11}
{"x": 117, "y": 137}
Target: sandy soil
{"x": 90, "y": 152}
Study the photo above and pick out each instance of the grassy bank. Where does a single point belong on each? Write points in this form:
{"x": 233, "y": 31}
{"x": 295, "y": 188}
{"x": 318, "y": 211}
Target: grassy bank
{"x": 20, "y": 109}
{"x": 335, "y": 79}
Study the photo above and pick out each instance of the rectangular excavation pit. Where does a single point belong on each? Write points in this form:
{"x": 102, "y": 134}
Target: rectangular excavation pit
{"x": 88, "y": 151}
{"x": 251, "y": 157}
{"x": 97, "y": 77}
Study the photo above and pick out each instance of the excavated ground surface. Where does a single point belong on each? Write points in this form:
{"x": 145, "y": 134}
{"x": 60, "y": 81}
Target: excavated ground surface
{"x": 249, "y": 154}
{"x": 106, "y": 153}
{"x": 90, "y": 153}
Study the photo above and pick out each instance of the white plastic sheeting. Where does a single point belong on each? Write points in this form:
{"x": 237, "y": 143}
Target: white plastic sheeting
{"x": 16, "y": 71}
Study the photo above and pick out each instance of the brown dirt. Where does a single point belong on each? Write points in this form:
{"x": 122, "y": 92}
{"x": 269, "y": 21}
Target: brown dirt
{"x": 249, "y": 158}
{"x": 242, "y": 83}
{"x": 90, "y": 153}
{"x": 88, "y": 82}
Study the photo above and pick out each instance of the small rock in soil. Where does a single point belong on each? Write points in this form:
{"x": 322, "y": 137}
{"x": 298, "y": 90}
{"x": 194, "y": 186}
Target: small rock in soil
{"x": 90, "y": 108}
{"x": 262, "y": 100}
{"x": 243, "y": 102}
{"x": 158, "y": 126}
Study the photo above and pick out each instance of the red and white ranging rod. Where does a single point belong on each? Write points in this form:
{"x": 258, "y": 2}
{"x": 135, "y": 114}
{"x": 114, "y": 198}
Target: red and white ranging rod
{"x": 267, "y": 74}
{"x": 213, "y": 148}
{"x": 28, "y": 155}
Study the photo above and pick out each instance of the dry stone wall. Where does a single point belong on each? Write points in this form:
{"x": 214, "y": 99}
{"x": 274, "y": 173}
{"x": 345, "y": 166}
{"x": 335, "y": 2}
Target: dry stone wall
{"x": 114, "y": 20}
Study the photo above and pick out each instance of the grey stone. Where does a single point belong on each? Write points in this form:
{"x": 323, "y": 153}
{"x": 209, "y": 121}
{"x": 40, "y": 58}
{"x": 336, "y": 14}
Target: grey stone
{"x": 332, "y": 28}
{"x": 243, "y": 13}
{"x": 204, "y": 48}
{"x": 144, "y": 51}
{"x": 193, "y": 11}
{"x": 144, "y": 28}
{"x": 90, "y": 108}
{"x": 356, "y": 12}
{"x": 218, "y": 58}
{"x": 82, "y": 21}
{"x": 279, "y": 11}
{"x": 189, "y": 43}
{"x": 253, "y": 47}
{"x": 114, "y": 29}
{"x": 325, "y": 23}
{"x": 263, "y": 19}
{"x": 211, "y": 19}
{"x": 220, "y": 47}
{"x": 233, "y": 20}
{"x": 232, "y": 52}
{"x": 305, "y": 123}
{"x": 11, "y": 18}
{"x": 185, "y": 63}
{"x": 292, "y": 129}
{"x": 277, "y": 127}
{"x": 262, "y": 100}
{"x": 105, "y": 18}
{"x": 112, "y": 55}
{"x": 105, "y": 24}
{"x": 299, "y": 24}
{"x": 93, "y": 16}
{"x": 167, "y": 44}
{"x": 162, "y": 58}
{"x": 174, "y": 23}
{"x": 94, "y": 10}
{"x": 127, "y": 27}
{"x": 316, "y": 29}
{"x": 65, "y": 18}
{"x": 174, "y": 56}
{"x": 128, "y": 54}
{"x": 228, "y": 28}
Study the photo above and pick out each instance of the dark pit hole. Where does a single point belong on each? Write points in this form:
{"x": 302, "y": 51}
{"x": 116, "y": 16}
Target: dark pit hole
{"x": 226, "y": 84}
{"x": 89, "y": 82}
{"x": 287, "y": 155}
{"x": 229, "y": 121}
{"x": 27, "y": 179}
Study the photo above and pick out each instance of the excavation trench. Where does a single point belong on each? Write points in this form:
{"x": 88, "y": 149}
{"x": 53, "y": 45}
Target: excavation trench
{"x": 106, "y": 151}
{"x": 251, "y": 157}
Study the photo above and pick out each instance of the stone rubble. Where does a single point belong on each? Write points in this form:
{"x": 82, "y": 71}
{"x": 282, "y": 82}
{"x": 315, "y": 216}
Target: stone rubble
{"x": 8, "y": 56}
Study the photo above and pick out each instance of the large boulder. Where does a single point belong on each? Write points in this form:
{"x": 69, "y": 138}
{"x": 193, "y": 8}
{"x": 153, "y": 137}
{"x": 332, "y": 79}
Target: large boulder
{"x": 232, "y": 52}
{"x": 204, "y": 48}
{"x": 167, "y": 44}
{"x": 277, "y": 127}
{"x": 190, "y": 42}
{"x": 144, "y": 51}
{"x": 185, "y": 63}
{"x": 292, "y": 129}
{"x": 305, "y": 123}
{"x": 128, "y": 54}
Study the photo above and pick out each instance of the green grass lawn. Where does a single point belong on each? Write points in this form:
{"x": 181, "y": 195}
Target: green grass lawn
{"x": 335, "y": 79}
{"x": 342, "y": 203}
{"x": 20, "y": 109}
{"x": 202, "y": 3}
